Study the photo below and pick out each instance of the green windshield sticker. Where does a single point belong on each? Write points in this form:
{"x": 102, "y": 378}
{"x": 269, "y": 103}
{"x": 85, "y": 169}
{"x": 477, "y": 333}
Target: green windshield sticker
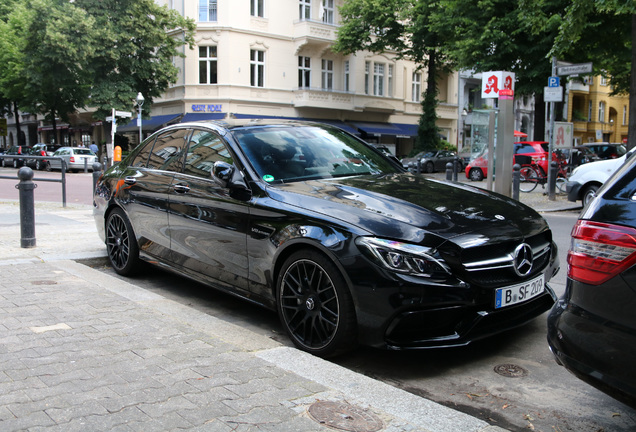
{"x": 268, "y": 178}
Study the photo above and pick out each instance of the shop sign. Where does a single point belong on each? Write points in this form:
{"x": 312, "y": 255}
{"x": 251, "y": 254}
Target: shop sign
{"x": 493, "y": 82}
{"x": 207, "y": 108}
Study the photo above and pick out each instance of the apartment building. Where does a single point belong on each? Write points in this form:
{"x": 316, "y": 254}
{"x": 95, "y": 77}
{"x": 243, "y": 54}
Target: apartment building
{"x": 266, "y": 58}
{"x": 596, "y": 116}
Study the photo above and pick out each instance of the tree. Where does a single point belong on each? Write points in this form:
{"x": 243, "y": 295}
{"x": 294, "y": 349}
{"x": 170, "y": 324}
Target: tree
{"x": 504, "y": 35}
{"x": 58, "y": 43}
{"x": 137, "y": 41}
{"x": 612, "y": 49}
{"x": 402, "y": 27}
{"x": 14, "y": 17}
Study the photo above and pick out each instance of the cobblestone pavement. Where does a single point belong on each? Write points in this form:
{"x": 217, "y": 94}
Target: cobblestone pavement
{"x": 81, "y": 350}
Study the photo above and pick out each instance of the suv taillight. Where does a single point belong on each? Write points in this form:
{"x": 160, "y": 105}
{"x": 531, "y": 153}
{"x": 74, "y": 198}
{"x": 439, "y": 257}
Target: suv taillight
{"x": 600, "y": 251}
{"x": 72, "y": 159}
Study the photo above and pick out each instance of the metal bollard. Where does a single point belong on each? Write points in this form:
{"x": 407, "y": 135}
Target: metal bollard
{"x": 554, "y": 167}
{"x": 516, "y": 180}
{"x": 449, "y": 171}
{"x": 412, "y": 167}
{"x": 85, "y": 165}
{"x": 419, "y": 166}
{"x": 27, "y": 207}
{"x": 455, "y": 168}
{"x": 97, "y": 172}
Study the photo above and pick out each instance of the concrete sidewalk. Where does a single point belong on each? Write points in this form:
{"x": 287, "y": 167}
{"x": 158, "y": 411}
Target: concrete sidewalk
{"x": 81, "y": 350}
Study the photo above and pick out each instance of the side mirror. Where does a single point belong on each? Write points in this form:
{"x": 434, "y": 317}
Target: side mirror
{"x": 222, "y": 173}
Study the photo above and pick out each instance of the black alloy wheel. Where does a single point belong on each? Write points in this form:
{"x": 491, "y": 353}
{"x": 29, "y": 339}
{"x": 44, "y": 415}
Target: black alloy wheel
{"x": 121, "y": 244}
{"x": 315, "y": 306}
{"x": 429, "y": 167}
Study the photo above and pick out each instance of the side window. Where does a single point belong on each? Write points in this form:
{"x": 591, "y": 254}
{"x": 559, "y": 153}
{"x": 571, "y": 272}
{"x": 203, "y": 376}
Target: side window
{"x": 205, "y": 148}
{"x": 141, "y": 159}
{"x": 525, "y": 149}
{"x": 167, "y": 151}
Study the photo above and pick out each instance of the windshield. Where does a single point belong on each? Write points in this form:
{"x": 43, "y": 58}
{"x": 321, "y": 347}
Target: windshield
{"x": 296, "y": 153}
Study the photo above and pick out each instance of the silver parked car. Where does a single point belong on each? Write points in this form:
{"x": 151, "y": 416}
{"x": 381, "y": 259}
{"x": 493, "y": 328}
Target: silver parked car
{"x": 75, "y": 158}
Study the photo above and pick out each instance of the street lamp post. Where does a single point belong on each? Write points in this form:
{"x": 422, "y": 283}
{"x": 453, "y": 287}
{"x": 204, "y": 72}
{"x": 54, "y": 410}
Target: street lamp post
{"x": 140, "y": 102}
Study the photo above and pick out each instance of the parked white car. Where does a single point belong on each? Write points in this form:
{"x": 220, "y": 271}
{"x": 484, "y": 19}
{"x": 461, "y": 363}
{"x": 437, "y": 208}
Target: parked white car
{"x": 75, "y": 158}
{"x": 586, "y": 179}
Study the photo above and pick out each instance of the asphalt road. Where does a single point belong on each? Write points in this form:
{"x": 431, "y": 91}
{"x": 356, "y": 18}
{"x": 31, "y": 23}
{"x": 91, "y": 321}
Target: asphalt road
{"x": 543, "y": 397}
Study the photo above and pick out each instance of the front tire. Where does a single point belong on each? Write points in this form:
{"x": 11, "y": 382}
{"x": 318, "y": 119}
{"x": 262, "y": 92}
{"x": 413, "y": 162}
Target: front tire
{"x": 429, "y": 167}
{"x": 121, "y": 244}
{"x": 315, "y": 305}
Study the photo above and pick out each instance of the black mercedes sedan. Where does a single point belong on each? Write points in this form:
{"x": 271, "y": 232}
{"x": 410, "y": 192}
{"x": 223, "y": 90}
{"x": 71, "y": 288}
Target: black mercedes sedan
{"x": 592, "y": 328}
{"x": 314, "y": 223}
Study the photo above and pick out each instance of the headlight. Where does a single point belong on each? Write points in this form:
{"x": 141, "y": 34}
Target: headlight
{"x": 404, "y": 258}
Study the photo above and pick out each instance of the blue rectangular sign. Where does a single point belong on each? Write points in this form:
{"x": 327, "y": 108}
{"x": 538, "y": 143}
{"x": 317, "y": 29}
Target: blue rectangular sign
{"x": 554, "y": 81}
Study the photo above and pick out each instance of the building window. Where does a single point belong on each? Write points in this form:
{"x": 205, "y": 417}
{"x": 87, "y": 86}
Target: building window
{"x": 624, "y": 115}
{"x": 256, "y": 8}
{"x": 378, "y": 79}
{"x": 257, "y": 68}
{"x": 416, "y": 89}
{"x": 327, "y": 74}
{"x": 390, "y": 79}
{"x": 603, "y": 81}
{"x": 347, "y": 76}
{"x": 601, "y": 112}
{"x": 327, "y": 11}
{"x": 589, "y": 111}
{"x": 304, "y": 72}
{"x": 207, "y": 10}
{"x": 207, "y": 65}
{"x": 367, "y": 67}
{"x": 304, "y": 7}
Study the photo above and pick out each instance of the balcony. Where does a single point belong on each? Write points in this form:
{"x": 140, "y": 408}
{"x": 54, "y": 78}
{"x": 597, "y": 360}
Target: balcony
{"x": 318, "y": 98}
{"x": 314, "y": 36}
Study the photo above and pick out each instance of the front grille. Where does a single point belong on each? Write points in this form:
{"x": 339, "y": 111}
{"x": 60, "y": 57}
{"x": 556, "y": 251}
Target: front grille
{"x": 493, "y": 266}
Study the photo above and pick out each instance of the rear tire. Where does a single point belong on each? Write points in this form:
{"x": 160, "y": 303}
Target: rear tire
{"x": 121, "y": 244}
{"x": 528, "y": 179}
{"x": 588, "y": 194}
{"x": 315, "y": 305}
{"x": 476, "y": 174}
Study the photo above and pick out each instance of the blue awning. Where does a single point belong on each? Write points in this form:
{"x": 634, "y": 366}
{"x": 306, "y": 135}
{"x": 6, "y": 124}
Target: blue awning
{"x": 151, "y": 124}
{"x": 393, "y": 129}
{"x": 338, "y": 123}
{"x": 409, "y": 130}
{"x": 202, "y": 116}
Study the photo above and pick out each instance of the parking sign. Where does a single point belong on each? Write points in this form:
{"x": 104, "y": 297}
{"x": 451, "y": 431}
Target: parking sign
{"x": 554, "y": 81}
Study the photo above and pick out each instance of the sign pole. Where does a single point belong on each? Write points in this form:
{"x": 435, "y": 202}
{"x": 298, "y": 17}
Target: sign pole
{"x": 551, "y": 191}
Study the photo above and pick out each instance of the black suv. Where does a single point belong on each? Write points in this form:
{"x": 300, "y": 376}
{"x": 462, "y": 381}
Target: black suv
{"x": 41, "y": 149}
{"x": 592, "y": 329}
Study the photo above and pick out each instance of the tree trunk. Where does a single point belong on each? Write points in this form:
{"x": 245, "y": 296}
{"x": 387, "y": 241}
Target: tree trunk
{"x": 16, "y": 114}
{"x": 631, "y": 131}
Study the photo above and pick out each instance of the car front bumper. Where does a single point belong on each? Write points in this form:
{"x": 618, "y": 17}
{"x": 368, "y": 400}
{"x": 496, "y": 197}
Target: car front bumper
{"x": 573, "y": 189}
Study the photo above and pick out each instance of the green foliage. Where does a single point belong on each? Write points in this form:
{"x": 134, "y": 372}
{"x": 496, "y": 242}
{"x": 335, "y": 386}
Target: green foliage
{"x": 59, "y": 56}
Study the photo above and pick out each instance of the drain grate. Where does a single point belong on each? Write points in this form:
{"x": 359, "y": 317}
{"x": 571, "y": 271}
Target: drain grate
{"x": 343, "y": 416}
{"x": 510, "y": 370}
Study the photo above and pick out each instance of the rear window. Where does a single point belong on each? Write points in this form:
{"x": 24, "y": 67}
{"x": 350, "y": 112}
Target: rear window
{"x": 80, "y": 151}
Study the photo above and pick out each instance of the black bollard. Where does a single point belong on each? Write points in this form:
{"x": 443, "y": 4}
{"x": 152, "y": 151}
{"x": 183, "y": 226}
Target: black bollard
{"x": 516, "y": 179}
{"x": 455, "y": 168}
{"x": 97, "y": 172}
{"x": 449, "y": 171}
{"x": 554, "y": 168}
{"x": 419, "y": 166}
{"x": 27, "y": 207}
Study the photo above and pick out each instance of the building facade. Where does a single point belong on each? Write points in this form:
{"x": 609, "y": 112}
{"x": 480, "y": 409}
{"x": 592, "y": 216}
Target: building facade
{"x": 596, "y": 116}
{"x": 266, "y": 58}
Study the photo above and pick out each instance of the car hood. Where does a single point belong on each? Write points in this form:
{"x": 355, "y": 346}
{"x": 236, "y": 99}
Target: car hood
{"x": 410, "y": 208}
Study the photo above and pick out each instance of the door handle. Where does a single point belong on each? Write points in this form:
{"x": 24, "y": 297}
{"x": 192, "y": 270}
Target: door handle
{"x": 181, "y": 188}
{"x": 130, "y": 180}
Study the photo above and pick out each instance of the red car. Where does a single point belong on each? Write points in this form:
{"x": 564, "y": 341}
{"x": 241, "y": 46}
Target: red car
{"x": 536, "y": 151}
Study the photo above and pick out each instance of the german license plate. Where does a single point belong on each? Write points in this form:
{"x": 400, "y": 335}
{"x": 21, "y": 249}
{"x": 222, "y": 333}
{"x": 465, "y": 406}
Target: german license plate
{"x": 519, "y": 293}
